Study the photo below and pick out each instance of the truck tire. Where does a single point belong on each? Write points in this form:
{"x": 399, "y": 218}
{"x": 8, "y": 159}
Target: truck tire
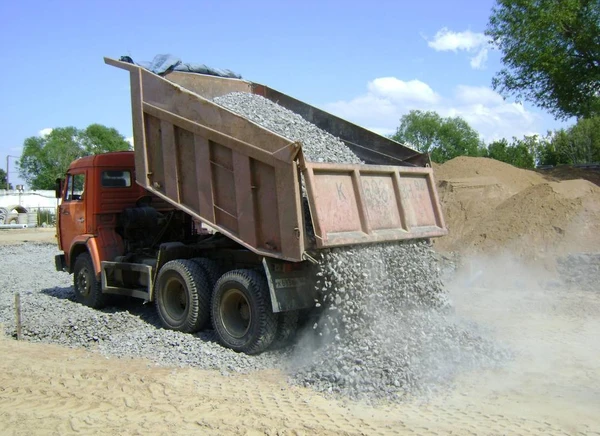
{"x": 88, "y": 289}
{"x": 211, "y": 269}
{"x": 287, "y": 325}
{"x": 241, "y": 311}
{"x": 182, "y": 296}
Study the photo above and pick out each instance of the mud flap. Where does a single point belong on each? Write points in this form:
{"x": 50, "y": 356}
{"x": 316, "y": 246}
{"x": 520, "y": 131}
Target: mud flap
{"x": 60, "y": 263}
{"x": 290, "y": 284}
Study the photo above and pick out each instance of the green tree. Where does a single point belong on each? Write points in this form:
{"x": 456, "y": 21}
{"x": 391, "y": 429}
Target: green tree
{"x": 521, "y": 152}
{"x": 3, "y": 179}
{"x": 579, "y": 143}
{"x": 46, "y": 158}
{"x": 443, "y": 138}
{"x": 545, "y": 152}
{"x": 97, "y": 139}
{"x": 551, "y": 53}
{"x": 498, "y": 150}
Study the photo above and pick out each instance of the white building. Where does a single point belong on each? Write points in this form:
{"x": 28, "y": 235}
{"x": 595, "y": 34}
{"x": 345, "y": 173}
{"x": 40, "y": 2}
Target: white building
{"x": 39, "y": 205}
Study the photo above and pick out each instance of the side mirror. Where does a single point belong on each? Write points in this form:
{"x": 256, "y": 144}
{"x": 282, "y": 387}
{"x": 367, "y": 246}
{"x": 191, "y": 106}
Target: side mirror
{"x": 58, "y": 187}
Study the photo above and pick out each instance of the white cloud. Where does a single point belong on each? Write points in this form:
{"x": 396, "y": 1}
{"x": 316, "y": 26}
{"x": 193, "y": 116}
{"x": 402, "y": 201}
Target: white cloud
{"x": 45, "y": 132}
{"x": 446, "y": 40}
{"x": 479, "y": 60}
{"x": 381, "y": 107}
{"x": 471, "y": 42}
{"x": 413, "y": 90}
{"x": 465, "y": 94}
{"x": 130, "y": 140}
{"x": 387, "y": 98}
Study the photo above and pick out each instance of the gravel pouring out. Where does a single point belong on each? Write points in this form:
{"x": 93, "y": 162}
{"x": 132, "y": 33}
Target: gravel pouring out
{"x": 384, "y": 331}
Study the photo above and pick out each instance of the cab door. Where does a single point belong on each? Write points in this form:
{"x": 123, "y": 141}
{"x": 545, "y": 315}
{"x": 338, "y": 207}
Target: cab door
{"x": 72, "y": 210}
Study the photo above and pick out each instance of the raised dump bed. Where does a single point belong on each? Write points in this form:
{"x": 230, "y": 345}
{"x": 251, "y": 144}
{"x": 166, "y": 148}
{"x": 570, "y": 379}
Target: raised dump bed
{"x": 244, "y": 180}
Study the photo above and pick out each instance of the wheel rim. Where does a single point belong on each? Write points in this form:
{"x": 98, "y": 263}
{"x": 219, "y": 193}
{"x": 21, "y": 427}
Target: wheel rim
{"x": 83, "y": 282}
{"x": 175, "y": 298}
{"x": 236, "y": 316}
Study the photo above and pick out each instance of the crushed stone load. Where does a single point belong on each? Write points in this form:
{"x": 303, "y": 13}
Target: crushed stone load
{"x": 383, "y": 330}
{"x": 317, "y": 145}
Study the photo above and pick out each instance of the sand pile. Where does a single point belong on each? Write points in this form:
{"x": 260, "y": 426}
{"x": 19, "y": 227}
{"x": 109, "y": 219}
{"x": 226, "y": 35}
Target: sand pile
{"x": 491, "y": 206}
{"x": 511, "y": 178}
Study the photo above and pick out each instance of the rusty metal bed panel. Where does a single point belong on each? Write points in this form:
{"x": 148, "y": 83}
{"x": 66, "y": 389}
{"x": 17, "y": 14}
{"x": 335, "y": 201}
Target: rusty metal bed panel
{"x": 353, "y": 204}
{"x": 217, "y": 166}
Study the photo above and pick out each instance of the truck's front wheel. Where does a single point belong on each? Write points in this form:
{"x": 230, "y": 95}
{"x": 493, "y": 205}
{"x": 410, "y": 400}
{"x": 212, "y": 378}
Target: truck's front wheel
{"x": 88, "y": 290}
{"x": 183, "y": 296}
{"x": 241, "y": 312}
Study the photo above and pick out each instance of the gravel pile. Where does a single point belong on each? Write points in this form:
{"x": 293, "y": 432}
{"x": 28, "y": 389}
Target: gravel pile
{"x": 387, "y": 330}
{"x": 384, "y": 331}
{"x": 317, "y": 145}
{"x": 580, "y": 270}
{"x": 129, "y": 329}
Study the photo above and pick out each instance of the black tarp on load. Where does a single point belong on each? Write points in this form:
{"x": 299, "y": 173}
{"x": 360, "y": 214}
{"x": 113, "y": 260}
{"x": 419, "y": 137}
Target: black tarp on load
{"x": 165, "y": 63}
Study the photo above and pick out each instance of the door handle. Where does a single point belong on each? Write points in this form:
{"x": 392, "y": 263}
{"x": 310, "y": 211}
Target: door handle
{"x": 65, "y": 212}
{"x": 80, "y": 220}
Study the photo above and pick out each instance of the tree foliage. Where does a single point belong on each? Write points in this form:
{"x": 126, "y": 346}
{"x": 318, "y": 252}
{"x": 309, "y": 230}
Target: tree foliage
{"x": 443, "y": 138}
{"x": 551, "y": 53}
{"x": 46, "y": 158}
{"x": 519, "y": 152}
{"x": 578, "y": 144}
{"x": 2, "y": 179}
{"x": 446, "y": 138}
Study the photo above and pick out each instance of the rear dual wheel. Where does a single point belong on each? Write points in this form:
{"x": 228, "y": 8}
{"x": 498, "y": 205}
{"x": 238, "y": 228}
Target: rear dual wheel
{"x": 183, "y": 296}
{"x": 240, "y": 306}
{"x": 241, "y": 311}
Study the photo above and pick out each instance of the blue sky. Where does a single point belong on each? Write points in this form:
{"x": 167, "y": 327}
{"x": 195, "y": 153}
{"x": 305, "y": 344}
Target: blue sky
{"x": 369, "y": 62}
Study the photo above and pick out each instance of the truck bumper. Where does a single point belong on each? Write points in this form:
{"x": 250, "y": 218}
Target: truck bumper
{"x": 60, "y": 263}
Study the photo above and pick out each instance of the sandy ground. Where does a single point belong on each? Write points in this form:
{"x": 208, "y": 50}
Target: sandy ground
{"x": 552, "y": 387}
{"x": 17, "y": 236}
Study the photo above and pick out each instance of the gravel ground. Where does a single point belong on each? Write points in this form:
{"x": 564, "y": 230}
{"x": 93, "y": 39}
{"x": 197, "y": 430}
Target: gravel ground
{"x": 580, "y": 270}
{"x": 130, "y": 328}
{"x": 372, "y": 344}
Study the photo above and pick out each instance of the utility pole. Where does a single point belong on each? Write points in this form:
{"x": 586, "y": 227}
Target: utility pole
{"x": 7, "y": 170}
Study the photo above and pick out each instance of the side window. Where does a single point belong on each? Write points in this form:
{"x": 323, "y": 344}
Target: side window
{"x": 116, "y": 179}
{"x": 75, "y": 187}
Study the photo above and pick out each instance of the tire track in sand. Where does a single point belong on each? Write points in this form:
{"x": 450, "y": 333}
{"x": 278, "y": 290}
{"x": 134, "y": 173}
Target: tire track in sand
{"x": 46, "y": 389}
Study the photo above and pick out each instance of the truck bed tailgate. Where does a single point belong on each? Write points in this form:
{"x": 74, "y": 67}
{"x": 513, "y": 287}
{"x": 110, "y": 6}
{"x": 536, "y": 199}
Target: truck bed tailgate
{"x": 372, "y": 203}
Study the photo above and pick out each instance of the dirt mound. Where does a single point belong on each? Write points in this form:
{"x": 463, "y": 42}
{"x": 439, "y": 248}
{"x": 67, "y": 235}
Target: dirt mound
{"x": 512, "y": 179}
{"x": 569, "y": 172}
{"x": 548, "y": 218}
{"x": 491, "y": 206}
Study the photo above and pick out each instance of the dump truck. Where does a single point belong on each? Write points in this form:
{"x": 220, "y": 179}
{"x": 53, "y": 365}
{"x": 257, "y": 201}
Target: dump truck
{"x": 218, "y": 220}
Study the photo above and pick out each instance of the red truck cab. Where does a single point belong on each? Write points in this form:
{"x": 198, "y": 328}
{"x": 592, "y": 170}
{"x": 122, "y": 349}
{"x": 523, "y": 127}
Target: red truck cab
{"x": 96, "y": 189}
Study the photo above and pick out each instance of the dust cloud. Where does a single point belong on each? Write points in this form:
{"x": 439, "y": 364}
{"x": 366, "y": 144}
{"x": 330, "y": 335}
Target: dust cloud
{"x": 550, "y": 328}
